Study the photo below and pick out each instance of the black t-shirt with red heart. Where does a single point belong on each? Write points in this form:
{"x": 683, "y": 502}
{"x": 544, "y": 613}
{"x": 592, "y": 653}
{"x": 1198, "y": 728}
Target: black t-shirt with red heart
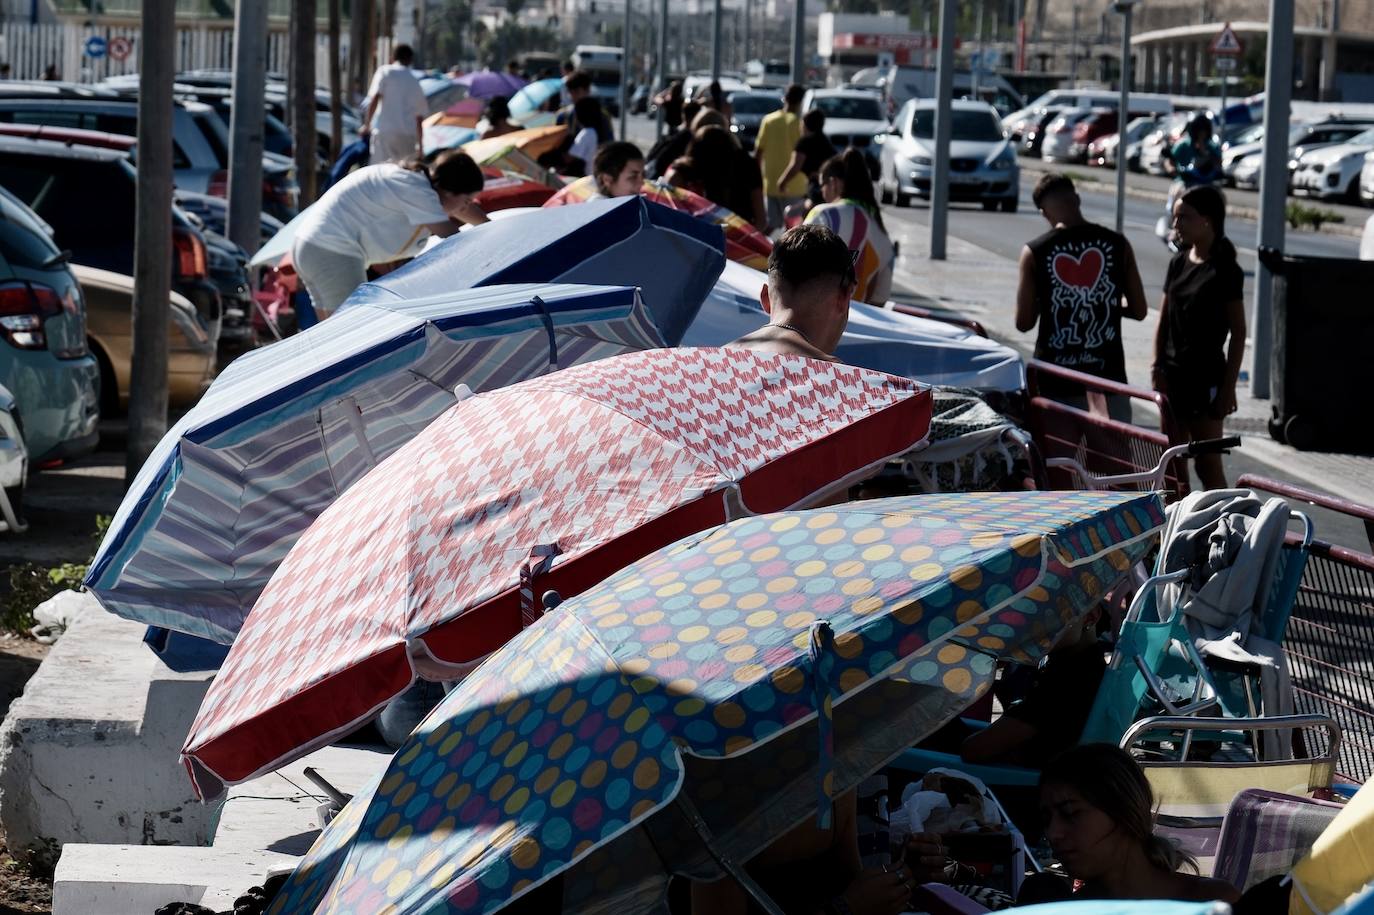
{"x": 1080, "y": 278}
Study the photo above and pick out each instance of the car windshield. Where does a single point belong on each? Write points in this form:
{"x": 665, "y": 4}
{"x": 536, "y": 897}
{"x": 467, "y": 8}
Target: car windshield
{"x": 755, "y": 104}
{"x": 606, "y": 77}
{"x": 1363, "y": 139}
{"x": 1252, "y": 134}
{"x": 849, "y": 106}
{"x": 216, "y": 134}
{"x": 977, "y": 126}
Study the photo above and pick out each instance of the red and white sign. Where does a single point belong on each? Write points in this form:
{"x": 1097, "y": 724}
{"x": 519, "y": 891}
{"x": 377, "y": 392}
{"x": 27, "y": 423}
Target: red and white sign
{"x": 121, "y": 48}
{"x": 885, "y": 41}
{"x": 1227, "y": 43}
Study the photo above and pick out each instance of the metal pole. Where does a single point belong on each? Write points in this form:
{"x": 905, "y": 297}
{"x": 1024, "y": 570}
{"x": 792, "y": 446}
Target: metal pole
{"x": 662, "y": 61}
{"x": 1278, "y": 93}
{"x": 716, "y": 16}
{"x": 152, "y": 235}
{"x": 1073, "y": 51}
{"x": 925, "y": 44}
{"x": 978, "y": 55}
{"x": 302, "y": 96}
{"x": 335, "y": 84}
{"x": 798, "y": 42}
{"x": 246, "y": 124}
{"x": 1126, "y": 8}
{"x": 748, "y": 17}
{"x": 944, "y": 95}
{"x": 625, "y": 71}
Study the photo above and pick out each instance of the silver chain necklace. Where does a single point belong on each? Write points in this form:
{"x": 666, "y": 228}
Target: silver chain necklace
{"x": 796, "y": 330}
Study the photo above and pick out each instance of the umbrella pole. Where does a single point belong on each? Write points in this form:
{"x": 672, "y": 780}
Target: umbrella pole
{"x": 726, "y": 863}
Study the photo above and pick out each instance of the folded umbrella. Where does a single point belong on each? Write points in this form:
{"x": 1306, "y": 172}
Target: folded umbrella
{"x": 743, "y": 243}
{"x": 504, "y": 190}
{"x": 286, "y": 428}
{"x": 673, "y": 258}
{"x": 934, "y": 352}
{"x": 532, "y": 141}
{"x": 698, "y": 704}
{"x": 436, "y": 557}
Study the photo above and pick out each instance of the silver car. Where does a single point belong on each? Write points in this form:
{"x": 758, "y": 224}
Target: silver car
{"x": 982, "y": 162}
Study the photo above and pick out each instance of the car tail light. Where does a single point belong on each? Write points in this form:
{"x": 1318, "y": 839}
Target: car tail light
{"x": 219, "y": 184}
{"x": 1080, "y": 133}
{"x": 23, "y": 309}
{"x": 190, "y": 256}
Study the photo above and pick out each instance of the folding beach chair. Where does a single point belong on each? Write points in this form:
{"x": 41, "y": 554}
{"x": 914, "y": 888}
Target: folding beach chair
{"x": 1265, "y": 833}
{"x": 1193, "y": 797}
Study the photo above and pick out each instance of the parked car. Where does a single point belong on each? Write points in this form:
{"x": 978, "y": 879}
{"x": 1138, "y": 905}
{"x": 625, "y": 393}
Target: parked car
{"x": 750, "y": 108}
{"x": 14, "y": 465}
{"x": 213, "y": 214}
{"x": 1248, "y": 141}
{"x": 1245, "y": 174}
{"x": 1058, "y": 140}
{"x": 1333, "y": 172}
{"x": 44, "y": 361}
{"x": 982, "y": 162}
{"x": 853, "y": 117}
{"x": 1313, "y": 137}
{"x": 200, "y": 142}
{"x": 697, "y": 84}
{"x": 1103, "y": 150}
{"x": 1155, "y": 148}
{"x": 109, "y": 309}
{"x": 1142, "y": 103}
{"x": 1367, "y": 179}
{"x": 66, "y": 184}
{"x": 1033, "y": 134}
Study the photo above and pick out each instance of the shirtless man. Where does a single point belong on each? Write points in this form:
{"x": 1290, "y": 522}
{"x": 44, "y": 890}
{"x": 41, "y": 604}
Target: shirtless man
{"x": 810, "y": 280}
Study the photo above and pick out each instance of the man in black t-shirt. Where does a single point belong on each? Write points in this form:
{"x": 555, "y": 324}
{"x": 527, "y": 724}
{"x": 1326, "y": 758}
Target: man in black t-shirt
{"x": 1073, "y": 281}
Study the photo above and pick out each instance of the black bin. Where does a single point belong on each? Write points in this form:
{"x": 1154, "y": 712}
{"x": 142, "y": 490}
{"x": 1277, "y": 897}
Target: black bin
{"x": 1323, "y": 357}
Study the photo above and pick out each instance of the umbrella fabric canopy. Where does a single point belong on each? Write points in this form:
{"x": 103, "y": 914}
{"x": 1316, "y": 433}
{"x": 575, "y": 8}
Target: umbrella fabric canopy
{"x": 286, "y": 428}
{"x": 430, "y": 561}
{"x": 673, "y": 258}
{"x": 489, "y": 83}
{"x": 743, "y": 243}
{"x": 510, "y": 159}
{"x": 446, "y": 136}
{"x": 532, "y": 98}
{"x": 533, "y": 142}
{"x": 465, "y": 113}
{"x": 279, "y": 245}
{"x": 504, "y": 190}
{"x": 934, "y": 352}
{"x": 704, "y": 671}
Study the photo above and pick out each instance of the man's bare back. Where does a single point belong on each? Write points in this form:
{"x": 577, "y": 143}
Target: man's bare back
{"x": 774, "y": 339}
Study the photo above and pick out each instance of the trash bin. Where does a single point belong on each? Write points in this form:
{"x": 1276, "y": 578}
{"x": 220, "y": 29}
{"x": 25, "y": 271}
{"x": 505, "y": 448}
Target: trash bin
{"x": 1323, "y": 341}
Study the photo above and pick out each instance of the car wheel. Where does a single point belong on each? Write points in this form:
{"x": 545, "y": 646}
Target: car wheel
{"x": 15, "y": 495}
{"x": 902, "y": 200}
{"x": 1009, "y": 205}
{"x": 1352, "y": 193}
{"x": 109, "y": 388}
{"x": 990, "y": 205}
{"x": 885, "y": 190}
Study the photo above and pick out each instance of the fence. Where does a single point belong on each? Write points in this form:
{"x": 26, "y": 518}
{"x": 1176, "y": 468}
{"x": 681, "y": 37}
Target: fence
{"x": 30, "y": 49}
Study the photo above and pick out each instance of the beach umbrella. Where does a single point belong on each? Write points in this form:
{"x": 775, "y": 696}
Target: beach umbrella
{"x": 462, "y": 113}
{"x": 744, "y": 244}
{"x": 489, "y": 153}
{"x": 673, "y": 258}
{"x": 532, "y": 142}
{"x": 437, "y": 137}
{"x": 287, "y": 427}
{"x": 488, "y": 83}
{"x": 935, "y": 352}
{"x": 699, "y": 703}
{"x": 437, "y": 556}
{"x": 531, "y": 99}
{"x": 504, "y": 190}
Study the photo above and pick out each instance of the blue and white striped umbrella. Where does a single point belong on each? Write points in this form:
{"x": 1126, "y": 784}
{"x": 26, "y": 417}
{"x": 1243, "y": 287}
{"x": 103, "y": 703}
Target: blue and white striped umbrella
{"x": 287, "y": 428}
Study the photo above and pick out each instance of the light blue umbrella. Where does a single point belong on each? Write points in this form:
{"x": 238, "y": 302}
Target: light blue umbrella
{"x": 1126, "y": 907}
{"x": 534, "y": 97}
{"x": 287, "y": 428}
{"x": 674, "y": 258}
{"x": 446, "y": 136}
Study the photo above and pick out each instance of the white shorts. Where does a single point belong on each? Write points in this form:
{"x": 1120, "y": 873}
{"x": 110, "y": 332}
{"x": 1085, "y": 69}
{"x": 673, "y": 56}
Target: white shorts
{"x": 390, "y": 147}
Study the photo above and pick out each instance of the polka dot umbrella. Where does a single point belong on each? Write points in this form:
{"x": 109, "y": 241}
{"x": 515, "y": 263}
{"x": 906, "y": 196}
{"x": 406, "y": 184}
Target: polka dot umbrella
{"x": 430, "y": 561}
{"x": 699, "y": 703}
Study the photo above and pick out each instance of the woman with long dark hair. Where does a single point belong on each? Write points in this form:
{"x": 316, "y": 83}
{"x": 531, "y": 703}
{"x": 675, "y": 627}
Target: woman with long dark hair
{"x": 380, "y": 214}
{"x": 1200, "y": 340}
{"x": 851, "y": 211}
{"x": 1098, "y": 813}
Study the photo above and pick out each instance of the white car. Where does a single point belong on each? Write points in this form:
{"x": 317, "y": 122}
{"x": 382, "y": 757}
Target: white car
{"x": 1246, "y": 174}
{"x": 14, "y": 465}
{"x": 1056, "y": 147}
{"x": 698, "y": 84}
{"x": 853, "y": 117}
{"x": 982, "y": 161}
{"x": 1367, "y": 179}
{"x": 1334, "y": 171}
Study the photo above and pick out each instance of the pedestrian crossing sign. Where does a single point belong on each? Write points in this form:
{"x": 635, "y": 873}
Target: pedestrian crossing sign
{"x": 1226, "y": 43}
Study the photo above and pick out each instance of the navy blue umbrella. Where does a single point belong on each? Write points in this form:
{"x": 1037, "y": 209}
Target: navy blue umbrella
{"x": 674, "y": 258}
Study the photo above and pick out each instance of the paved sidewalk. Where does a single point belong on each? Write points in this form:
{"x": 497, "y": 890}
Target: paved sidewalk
{"x": 979, "y": 284}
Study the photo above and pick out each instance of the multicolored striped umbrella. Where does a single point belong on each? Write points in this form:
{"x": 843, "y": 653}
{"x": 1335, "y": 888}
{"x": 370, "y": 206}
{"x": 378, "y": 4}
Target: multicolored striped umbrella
{"x": 533, "y": 142}
{"x": 742, "y": 671}
{"x": 437, "y": 556}
{"x": 505, "y": 190}
{"x": 286, "y": 428}
{"x": 743, "y": 243}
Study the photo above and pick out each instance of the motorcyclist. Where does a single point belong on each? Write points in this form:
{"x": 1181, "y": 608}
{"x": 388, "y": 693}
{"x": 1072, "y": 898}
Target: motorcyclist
{"x": 1196, "y": 159}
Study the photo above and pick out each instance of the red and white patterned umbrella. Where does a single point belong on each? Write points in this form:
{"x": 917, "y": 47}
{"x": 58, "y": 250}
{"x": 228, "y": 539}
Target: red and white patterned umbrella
{"x": 433, "y": 559}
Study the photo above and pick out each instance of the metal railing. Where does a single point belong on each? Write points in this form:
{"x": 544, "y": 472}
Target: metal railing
{"x": 1328, "y": 640}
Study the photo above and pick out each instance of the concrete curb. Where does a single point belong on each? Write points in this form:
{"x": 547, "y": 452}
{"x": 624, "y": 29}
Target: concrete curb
{"x": 1240, "y": 212}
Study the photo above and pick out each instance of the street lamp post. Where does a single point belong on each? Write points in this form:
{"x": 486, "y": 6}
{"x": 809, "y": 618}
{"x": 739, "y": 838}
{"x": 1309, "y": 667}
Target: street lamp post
{"x": 799, "y": 42}
{"x": 1278, "y": 93}
{"x": 625, "y": 70}
{"x": 662, "y": 60}
{"x": 944, "y": 104}
{"x": 1125, "y": 8}
{"x": 716, "y": 16}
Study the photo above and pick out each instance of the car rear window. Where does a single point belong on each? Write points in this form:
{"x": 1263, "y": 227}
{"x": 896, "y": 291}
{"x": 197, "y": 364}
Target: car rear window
{"x": 21, "y": 245}
{"x": 844, "y": 106}
{"x": 755, "y": 104}
{"x": 65, "y": 192}
{"x": 967, "y": 125}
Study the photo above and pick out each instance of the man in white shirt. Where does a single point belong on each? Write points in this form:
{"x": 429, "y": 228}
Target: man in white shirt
{"x": 396, "y": 107}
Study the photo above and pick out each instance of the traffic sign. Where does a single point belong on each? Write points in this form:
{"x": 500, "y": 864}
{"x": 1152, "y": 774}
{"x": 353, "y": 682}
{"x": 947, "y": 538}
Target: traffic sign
{"x": 95, "y": 47}
{"x": 121, "y": 48}
{"x": 1222, "y": 64}
{"x": 1227, "y": 43}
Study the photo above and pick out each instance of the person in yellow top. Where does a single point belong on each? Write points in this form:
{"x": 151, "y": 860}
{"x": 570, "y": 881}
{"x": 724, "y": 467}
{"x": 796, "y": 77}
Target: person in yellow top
{"x": 778, "y": 134}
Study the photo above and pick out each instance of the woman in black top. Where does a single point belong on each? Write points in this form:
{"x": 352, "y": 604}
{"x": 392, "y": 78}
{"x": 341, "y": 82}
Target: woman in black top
{"x": 812, "y": 151}
{"x": 1200, "y": 341}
